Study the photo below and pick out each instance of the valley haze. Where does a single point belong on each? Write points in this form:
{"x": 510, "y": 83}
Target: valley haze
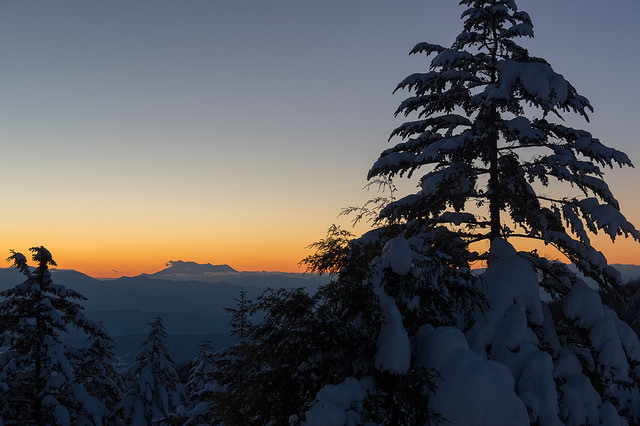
{"x": 190, "y": 297}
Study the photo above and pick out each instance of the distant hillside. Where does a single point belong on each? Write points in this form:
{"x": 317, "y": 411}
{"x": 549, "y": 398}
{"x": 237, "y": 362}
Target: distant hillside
{"x": 629, "y": 272}
{"x": 191, "y": 309}
{"x": 192, "y": 302}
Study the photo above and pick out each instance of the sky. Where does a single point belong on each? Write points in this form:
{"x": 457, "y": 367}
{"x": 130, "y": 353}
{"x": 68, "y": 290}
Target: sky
{"x": 234, "y": 131}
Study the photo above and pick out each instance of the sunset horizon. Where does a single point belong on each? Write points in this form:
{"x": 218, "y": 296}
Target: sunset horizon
{"x": 625, "y": 254}
{"x": 284, "y": 212}
{"x": 145, "y": 132}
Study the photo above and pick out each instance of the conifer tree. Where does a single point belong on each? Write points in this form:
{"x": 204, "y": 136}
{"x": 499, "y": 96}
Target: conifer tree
{"x": 275, "y": 372}
{"x": 240, "y": 319}
{"x": 97, "y": 373}
{"x": 490, "y": 137}
{"x": 42, "y": 382}
{"x": 201, "y": 387}
{"x": 153, "y": 392}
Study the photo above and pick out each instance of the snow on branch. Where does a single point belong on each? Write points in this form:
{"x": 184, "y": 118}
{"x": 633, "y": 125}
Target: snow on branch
{"x": 426, "y": 48}
{"x": 592, "y": 148}
{"x": 392, "y": 163}
{"x": 607, "y": 218}
{"x": 591, "y": 262}
{"x": 455, "y": 177}
{"x": 520, "y": 30}
{"x": 569, "y": 212}
{"x": 408, "y": 129}
{"x": 451, "y": 57}
{"x": 537, "y": 79}
{"x": 520, "y": 129}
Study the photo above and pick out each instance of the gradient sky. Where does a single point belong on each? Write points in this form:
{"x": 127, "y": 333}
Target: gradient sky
{"x": 234, "y": 131}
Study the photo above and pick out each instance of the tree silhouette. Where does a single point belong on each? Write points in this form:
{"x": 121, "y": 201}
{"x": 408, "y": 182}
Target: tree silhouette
{"x": 489, "y": 144}
{"x": 43, "y": 382}
{"x": 489, "y": 133}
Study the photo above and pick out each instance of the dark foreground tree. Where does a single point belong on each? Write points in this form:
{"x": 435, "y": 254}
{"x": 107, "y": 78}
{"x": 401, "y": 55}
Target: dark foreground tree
{"x": 486, "y": 145}
{"x": 489, "y": 132}
{"x": 303, "y": 342}
{"x": 42, "y": 380}
{"x": 97, "y": 373}
{"x": 406, "y": 333}
{"x": 153, "y": 392}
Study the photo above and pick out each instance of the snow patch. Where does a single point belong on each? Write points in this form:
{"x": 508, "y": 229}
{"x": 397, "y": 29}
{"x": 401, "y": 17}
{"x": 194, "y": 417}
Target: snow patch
{"x": 335, "y": 403}
{"x": 472, "y": 390}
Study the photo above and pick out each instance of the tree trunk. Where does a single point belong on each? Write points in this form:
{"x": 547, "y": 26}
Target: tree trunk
{"x": 494, "y": 183}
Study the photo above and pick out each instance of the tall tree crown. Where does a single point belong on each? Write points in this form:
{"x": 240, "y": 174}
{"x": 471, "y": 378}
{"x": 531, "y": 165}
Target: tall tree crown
{"x": 490, "y": 132}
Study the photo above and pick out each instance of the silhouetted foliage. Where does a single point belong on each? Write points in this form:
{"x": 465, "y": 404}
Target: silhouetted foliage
{"x": 42, "y": 380}
{"x": 485, "y": 136}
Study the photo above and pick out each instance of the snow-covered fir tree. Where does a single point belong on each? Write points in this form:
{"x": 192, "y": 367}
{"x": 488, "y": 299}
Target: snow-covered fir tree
{"x": 97, "y": 373}
{"x": 303, "y": 342}
{"x": 153, "y": 392}
{"x": 490, "y": 134}
{"x": 284, "y": 359}
{"x": 487, "y": 140}
{"x": 201, "y": 387}
{"x": 41, "y": 380}
{"x": 201, "y": 369}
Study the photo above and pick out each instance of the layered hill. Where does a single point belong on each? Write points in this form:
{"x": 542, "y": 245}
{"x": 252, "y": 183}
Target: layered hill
{"x": 190, "y": 297}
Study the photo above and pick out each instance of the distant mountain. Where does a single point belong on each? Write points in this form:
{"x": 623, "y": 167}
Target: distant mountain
{"x": 191, "y": 271}
{"x": 629, "y": 272}
{"x": 181, "y": 270}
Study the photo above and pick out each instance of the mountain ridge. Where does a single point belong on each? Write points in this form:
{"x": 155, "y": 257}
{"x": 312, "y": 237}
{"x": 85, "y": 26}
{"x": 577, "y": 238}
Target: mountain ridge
{"x": 180, "y": 269}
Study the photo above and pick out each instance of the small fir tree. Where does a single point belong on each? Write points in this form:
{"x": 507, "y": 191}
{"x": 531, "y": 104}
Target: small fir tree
{"x": 153, "y": 391}
{"x": 43, "y": 383}
{"x": 303, "y": 342}
{"x": 240, "y": 317}
{"x": 97, "y": 373}
{"x": 283, "y": 361}
{"x": 201, "y": 387}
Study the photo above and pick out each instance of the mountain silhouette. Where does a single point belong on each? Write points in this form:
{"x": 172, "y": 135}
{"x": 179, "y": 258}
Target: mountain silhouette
{"x": 181, "y": 270}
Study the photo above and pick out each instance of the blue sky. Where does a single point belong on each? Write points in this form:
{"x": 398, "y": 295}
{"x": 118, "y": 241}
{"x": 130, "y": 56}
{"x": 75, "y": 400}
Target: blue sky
{"x": 234, "y": 131}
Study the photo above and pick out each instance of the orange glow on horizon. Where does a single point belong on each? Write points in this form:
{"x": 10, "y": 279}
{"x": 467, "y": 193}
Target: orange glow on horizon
{"x": 258, "y": 255}
{"x": 117, "y": 260}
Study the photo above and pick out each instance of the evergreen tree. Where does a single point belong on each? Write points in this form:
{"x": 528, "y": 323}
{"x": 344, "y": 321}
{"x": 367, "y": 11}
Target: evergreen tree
{"x": 153, "y": 391}
{"x": 42, "y": 383}
{"x": 285, "y": 358}
{"x": 487, "y": 136}
{"x": 240, "y": 319}
{"x": 200, "y": 370}
{"x": 97, "y": 373}
{"x": 201, "y": 387}
{"x": 303, "y": 342}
